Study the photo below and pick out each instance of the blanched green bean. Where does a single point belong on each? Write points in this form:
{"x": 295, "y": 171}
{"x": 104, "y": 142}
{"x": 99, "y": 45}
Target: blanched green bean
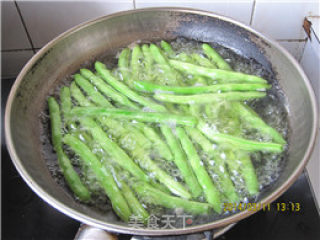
{"x": 146, "y": 163}
{"x": 65, "y": 99}
{"x": 211, "y": 193}
{"x": 239, "y": 160}
{"x": 123, "y": 63}
{"x": 157, "y": 197}
{"x": 137, "y": 152}
{"x": 238, "y": 142}
{"x": 135, "y": 64}
{"x": 78, "y": 96}
{"x": 139, "y": 116}
{"x": 151, "y": 87}
{"x": 202, "y": 61}
{"x": 117, "y": 129}
{"x": 159, "y": 145}
{"x": 215, "y": 57}
{"x": 167, "y": 48}
{"x": 172, "y": 77}
{"x": 184, "y": 57}
{"x": 218, "y": 167}
{"x": 125, "y": 161}
{"x": 216, "y": 74}
{"x": 254, "y": 121}
{"x": 107, "y": 90}
{"x": 66, "y": 105}
{"x": 182, "y": 163}
{"x": 209, "y": 97}
{"x": 248, "y": 172}
{"x": 92, "y": 93}
{"x": 102, "y": 174}
{"x": 148, "y": 61}
{"x": 137, "y": 209}
{"x": 72, "y": 178}
{"x": 106, "y": 75}
{"x": 113, "y": 149}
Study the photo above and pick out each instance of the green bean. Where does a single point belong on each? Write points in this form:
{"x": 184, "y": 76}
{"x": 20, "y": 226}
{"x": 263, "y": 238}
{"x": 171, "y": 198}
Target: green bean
{"x": 202, "y": 61}
{"x": 190, "y": 80}
{"x": 122, "y": 133}
{"x": 114, "y": 125}
{"x": 105, "y": 73}
{"x": 172, "y": 77}
{"x": 161, "y": 146}
{"x": 215, "y": 57}
{"x": 158, "y": 143}
{"x": 137, "y": 209}
{"x": 157, "y": 197}
{"x": 147, "y": 60}
{"x": 209, "y": 97}
{"x": 248, "y": 173}
{"x": 115, "y": 128}
{"x": 103, "y": 175}
{"x": 123, "y": 63}
{"x": 149, "y": 132}
{"x": 66, "y": 105}
{"x": 238, "y": 142}
{"x": 254, "y": 121}
{"x": 184, "y": 57}
{"x": 92, "y": 93}
{"x": 135, "y": 64}
{"x": 182, "y": 163}
{"x": 242, "y": 158}
{"x": 211, "y": 193}
{"x": 69, "y": 173}
{"x": 145, "y": 162}
{"x": 78, "y": 96}
{"x": 151, "y": 87}
{"x": 113, "y": 149}
{"x": 139, "y": 116}
{"x": 136, "y": 147}
{"x": 216, "y": 74}
{"x": 107, "y": 90}
{"x": 125, "y": 162}
{"x": 218, "y": 168}
{"x": 167, "y": 48}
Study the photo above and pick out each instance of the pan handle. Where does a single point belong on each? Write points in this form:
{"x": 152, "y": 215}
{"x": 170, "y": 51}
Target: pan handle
{"x": 87, "y": 232}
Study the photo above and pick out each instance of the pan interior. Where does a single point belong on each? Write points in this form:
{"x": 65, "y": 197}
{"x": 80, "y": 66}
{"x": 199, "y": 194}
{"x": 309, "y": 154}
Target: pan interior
{"x": 102, "y": 39}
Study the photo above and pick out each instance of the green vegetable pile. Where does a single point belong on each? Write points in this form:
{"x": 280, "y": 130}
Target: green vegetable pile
{"x": 187, "y": 109}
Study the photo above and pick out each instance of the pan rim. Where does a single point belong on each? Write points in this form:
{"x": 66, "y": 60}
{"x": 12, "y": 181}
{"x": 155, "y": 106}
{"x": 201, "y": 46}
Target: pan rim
{"x": 62, "y": 207}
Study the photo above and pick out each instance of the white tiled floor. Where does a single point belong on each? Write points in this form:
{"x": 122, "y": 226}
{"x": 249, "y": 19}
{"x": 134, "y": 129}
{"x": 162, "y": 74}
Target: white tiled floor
{"x": 239, "y": 10}
{"x": 13, "y": 34}
{"x": 283, "y": 19}
{"x": 13, "y": 62}
{"x": 46, "y": 20}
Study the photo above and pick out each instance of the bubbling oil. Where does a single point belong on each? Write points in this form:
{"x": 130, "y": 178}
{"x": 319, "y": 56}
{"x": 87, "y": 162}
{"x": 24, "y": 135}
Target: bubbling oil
{"x": 268, "y": 166}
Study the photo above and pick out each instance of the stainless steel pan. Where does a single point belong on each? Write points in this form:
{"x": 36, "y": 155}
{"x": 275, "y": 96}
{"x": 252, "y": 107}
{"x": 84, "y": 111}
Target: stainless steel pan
{"x": 65, "y": 54}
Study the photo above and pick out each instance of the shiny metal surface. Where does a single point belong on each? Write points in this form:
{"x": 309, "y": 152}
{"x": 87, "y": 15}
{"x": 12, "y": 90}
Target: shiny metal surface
{"x": 87, "y": 232}
{"x": 66, "y": 53}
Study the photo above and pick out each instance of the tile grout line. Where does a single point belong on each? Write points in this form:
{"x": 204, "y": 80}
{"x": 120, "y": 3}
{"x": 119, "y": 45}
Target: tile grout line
{"x": 252, "y": 12}
{"x": 25, "y": 26}
{"x": 18, "y": 50}
{"x": 292, "y": 40}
